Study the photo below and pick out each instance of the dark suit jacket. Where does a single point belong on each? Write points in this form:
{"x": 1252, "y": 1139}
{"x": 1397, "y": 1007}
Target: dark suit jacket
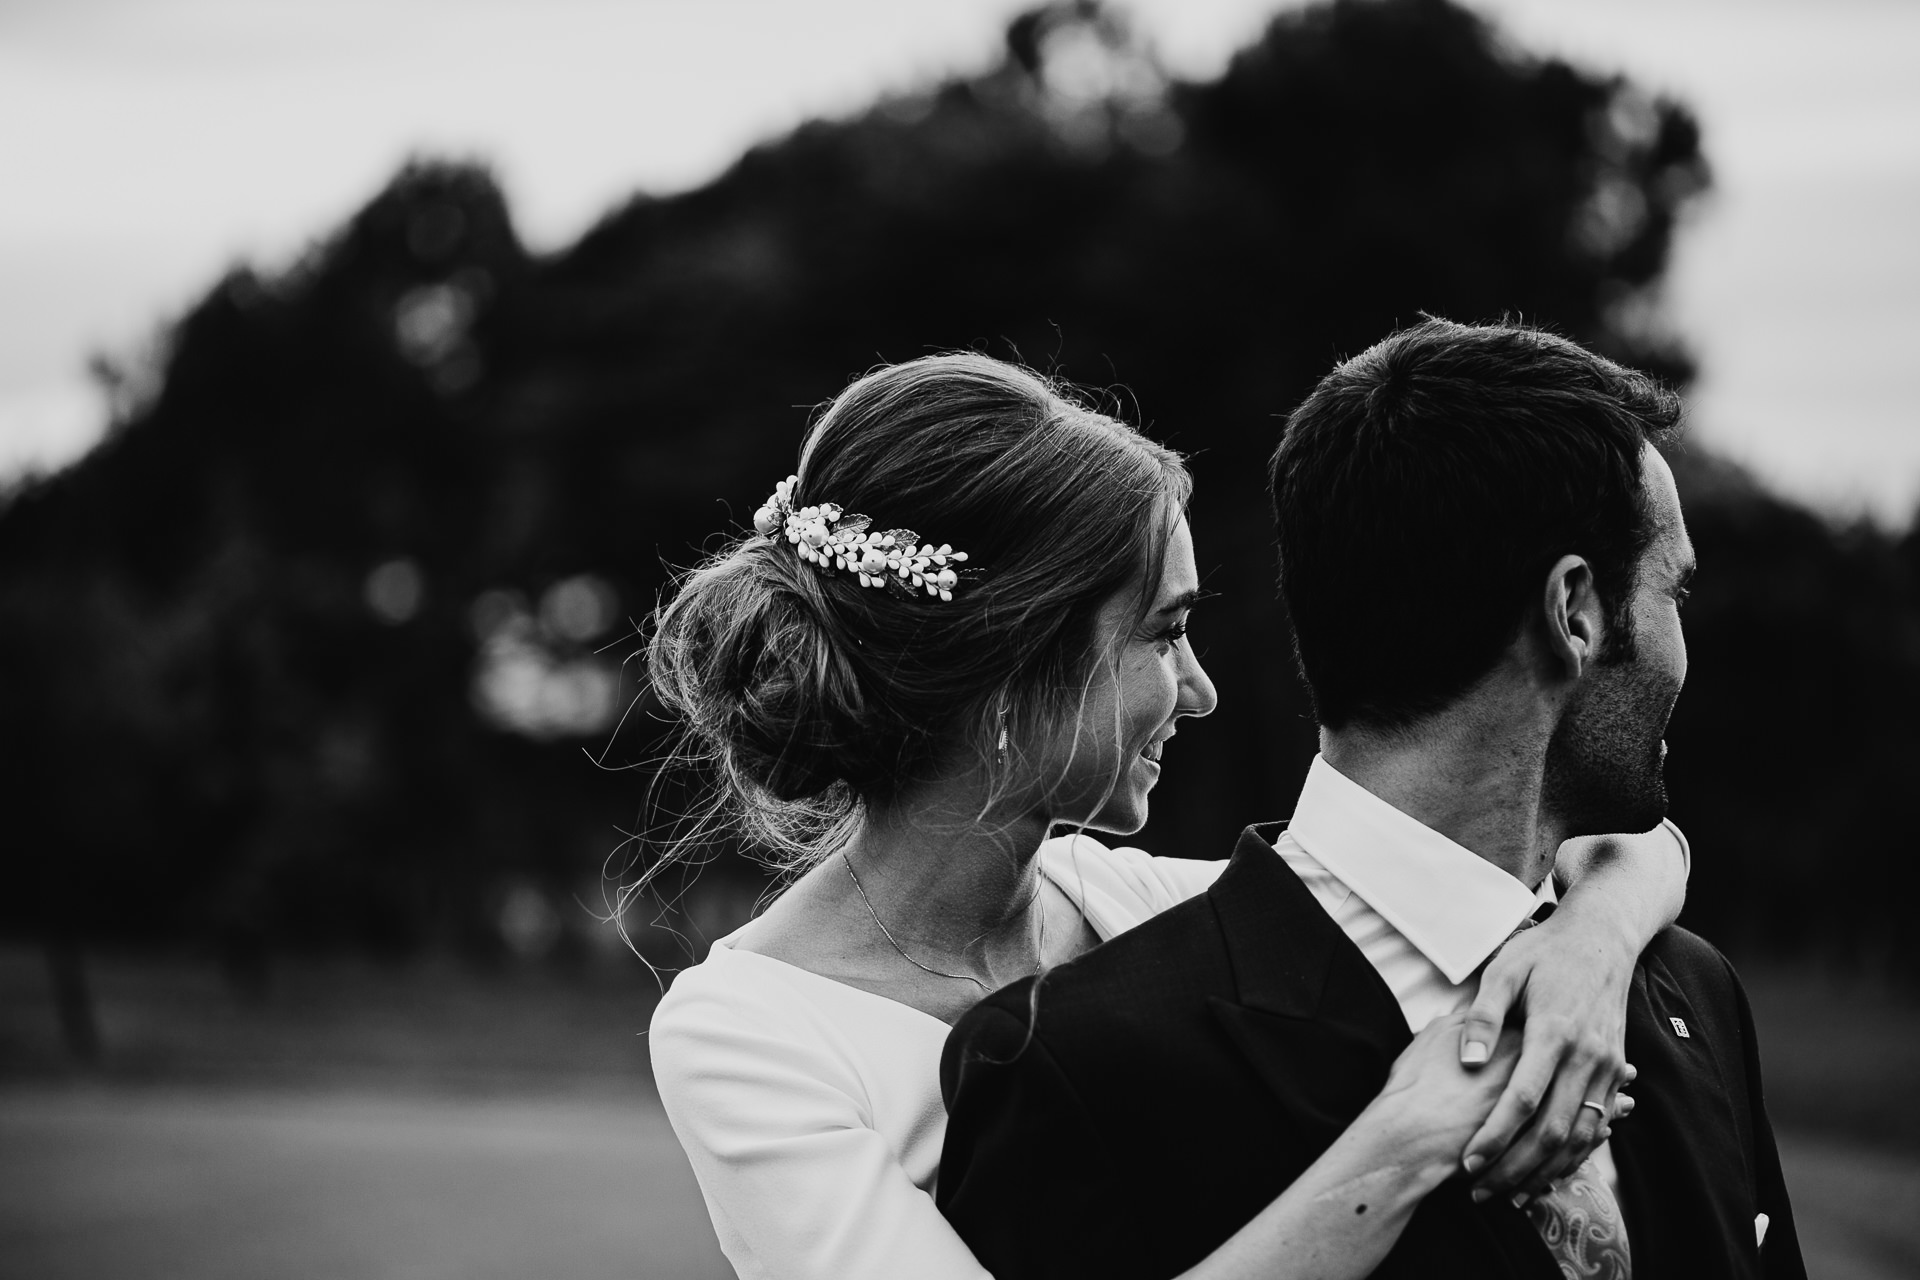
{"x": 1127, "y": 1112}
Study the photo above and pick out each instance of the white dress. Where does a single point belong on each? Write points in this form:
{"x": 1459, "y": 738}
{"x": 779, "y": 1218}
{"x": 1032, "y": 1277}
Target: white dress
{"x": 811, "y": 1110}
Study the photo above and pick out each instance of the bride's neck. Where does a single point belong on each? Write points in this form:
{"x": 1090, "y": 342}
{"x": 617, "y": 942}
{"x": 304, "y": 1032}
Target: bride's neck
{"x": 940, "y": 876}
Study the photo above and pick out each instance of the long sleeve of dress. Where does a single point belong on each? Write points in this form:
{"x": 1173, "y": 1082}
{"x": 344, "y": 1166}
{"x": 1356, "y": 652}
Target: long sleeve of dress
{"x": 779, "y": 1127}
{"x": 811, "y": 1112}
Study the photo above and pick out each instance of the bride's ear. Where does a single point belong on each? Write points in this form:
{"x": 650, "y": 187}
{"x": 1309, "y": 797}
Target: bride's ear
{"x": 1572, "y": 620}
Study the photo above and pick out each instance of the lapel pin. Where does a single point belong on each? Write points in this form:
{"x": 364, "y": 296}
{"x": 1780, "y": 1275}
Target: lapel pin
{"x": 1680, "y": 1028}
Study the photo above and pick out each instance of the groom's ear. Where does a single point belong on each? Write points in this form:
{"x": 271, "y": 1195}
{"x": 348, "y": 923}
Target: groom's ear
{"x": 1571, "y": 617}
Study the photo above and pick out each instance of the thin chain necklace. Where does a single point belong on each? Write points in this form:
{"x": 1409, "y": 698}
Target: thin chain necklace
{"x": 888, "y": 934}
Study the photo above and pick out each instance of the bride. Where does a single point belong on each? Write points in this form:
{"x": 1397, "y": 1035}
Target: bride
{"x": 961, "y": 627}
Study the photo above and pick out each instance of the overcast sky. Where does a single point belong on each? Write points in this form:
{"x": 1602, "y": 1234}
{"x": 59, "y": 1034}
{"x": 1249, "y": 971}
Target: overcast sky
{"x": 146, "y": 144}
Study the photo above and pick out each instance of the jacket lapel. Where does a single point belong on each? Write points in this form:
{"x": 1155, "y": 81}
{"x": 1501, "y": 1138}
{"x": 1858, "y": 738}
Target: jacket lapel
{"x": 1321, "y": 1029}
{"x": 1310, "y": 1015}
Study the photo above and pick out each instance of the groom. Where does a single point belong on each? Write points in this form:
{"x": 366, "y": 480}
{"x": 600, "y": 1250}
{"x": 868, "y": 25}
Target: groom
{"x": 1483, "y": 556}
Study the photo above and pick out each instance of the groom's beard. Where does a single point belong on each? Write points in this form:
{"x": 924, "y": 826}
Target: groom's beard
{"x": 1605, "y": 761}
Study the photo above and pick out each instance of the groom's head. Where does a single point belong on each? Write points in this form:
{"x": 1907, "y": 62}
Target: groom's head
{"x": 1476, "y": 512}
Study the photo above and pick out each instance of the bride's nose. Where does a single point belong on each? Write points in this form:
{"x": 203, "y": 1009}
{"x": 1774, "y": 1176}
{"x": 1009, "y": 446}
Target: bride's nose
{"x": 1197, "y": 695}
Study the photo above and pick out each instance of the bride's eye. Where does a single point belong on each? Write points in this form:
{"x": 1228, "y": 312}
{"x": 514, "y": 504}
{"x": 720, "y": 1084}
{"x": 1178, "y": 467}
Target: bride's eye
{"x": 1173, "y": 635}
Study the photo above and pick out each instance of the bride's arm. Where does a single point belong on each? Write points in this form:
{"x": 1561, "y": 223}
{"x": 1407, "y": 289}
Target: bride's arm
{"x": 800, "y": 1187}
{"x": 798, "y": 1182}
{"x": 1042, "y": 1185}
{"x": 1569, "y": 980}
{"x": 1342, "y": 1216}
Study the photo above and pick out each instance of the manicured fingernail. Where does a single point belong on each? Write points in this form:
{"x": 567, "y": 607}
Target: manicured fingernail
{"x": 1472, "y": 1163}
{"x": 1481, "y": 1195}
{"x": 1520, "y": 1199}
{"x": 1473, "y": 1053}
{"x": 1627, "y": 1105}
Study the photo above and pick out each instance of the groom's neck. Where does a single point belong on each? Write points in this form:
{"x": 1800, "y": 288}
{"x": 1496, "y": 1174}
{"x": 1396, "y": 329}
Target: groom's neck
{"x": 1476, "y": 783}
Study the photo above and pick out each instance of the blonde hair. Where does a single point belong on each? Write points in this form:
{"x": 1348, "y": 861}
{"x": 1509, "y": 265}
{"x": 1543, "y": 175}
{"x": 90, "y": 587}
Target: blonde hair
{"x": 811, "y": 699}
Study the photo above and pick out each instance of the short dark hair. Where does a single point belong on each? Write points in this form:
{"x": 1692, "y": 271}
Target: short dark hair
{"x": 1435, "y": 478}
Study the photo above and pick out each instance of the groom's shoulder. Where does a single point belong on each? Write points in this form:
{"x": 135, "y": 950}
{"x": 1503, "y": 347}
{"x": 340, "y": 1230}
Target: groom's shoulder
{"x": 1170, "y": 961}
{"x": 1688, "y": 956}
{"x": 1136, "y": 995}
{"x": 1681, "y": 959}
{"x": 1111, "y": 1015}
{"x": 1166, "y": 958}
{"x": 1137, "y": 984}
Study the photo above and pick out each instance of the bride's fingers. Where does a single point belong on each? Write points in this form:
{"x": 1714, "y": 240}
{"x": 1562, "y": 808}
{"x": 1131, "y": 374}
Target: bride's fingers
{"x": 1595, "y": 1110}
{"x": 1590, "y": 1122}
{"x": 1621, "y": 1104}
{"x": 1524, "y": 1092}
{"x": 1499, "y": 987}
{"x": 1593, "y": 1127}
{"x": 1561, "y": 1130}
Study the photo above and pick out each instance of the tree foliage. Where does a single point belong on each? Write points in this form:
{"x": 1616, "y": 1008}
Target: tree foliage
{"x": 290, "y": 653}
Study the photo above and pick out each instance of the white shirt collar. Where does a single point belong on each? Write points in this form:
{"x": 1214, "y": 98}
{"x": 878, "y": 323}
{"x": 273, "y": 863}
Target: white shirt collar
{"x": 1448, "y": 901}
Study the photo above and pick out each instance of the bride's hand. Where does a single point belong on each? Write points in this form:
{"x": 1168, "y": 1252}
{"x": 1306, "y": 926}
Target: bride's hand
{"x": 1569, "y": 978}
{"x": 1431, "y": 1105}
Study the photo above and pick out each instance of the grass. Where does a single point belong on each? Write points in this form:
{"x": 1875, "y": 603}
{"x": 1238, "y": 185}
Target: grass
{"x": 434, "y": 1025}
{"x": 191, "y": 1183}
{"x": 435, "y": 1120}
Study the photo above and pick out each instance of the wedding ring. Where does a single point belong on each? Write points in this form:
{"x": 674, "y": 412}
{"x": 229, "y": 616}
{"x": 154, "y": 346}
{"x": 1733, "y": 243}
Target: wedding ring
{"x": 1597, "y": 1107}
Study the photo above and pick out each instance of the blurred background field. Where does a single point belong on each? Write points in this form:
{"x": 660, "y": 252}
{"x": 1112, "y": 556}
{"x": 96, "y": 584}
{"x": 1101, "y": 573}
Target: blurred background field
{"x": 322, "y": 750}
{"x": 427, "y": 1120}
{"x": 377, "y": 1120}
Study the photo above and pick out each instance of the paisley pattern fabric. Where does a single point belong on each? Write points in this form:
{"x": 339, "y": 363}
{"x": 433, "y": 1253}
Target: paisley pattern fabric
{"x": 1580, "y": 1222}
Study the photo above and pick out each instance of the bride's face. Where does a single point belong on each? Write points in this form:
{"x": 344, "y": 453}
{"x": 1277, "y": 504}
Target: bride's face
{"x": 1103, "y": 761}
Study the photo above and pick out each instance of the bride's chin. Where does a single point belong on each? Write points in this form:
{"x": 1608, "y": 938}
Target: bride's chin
{"x": 1118, "y": 816}
{"x": 1112, "y": 823}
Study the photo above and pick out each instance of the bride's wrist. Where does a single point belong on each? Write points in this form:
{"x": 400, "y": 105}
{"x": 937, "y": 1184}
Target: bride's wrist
{"x": 1632, "y": 886}
{"x": 1601, "y": 923}
{"x": 1405, "y": 1146}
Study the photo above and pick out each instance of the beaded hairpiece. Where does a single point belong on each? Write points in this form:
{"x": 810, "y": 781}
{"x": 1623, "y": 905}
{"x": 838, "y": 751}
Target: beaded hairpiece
{"x": 826, "y": 536}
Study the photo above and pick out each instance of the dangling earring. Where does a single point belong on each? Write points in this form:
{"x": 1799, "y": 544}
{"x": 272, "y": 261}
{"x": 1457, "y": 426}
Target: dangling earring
{"x": 1000, "y": 752}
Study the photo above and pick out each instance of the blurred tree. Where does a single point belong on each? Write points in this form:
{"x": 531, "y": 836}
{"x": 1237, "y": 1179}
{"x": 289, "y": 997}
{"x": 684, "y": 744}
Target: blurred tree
{"x": 1795, "y": 741}
{"x": 306, "y": 651}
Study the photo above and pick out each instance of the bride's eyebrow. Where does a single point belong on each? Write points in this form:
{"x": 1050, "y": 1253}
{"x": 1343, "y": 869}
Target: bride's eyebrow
{"x": 1185, "y": 600}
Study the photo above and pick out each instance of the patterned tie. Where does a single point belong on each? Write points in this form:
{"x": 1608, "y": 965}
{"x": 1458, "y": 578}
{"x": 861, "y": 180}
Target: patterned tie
{"x": 1579, "y": 1220}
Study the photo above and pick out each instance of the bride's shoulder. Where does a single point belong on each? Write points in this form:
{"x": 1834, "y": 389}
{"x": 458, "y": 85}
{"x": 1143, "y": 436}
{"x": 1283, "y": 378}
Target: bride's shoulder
{"x": 1154, "y": 882}
{"x": 733, "y": 990}
{"x": 715, "y": 985}
{"x": 736, "y": 1015}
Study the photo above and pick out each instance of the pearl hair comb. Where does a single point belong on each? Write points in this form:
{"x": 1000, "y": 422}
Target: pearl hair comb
{"x": 827, "y": 537}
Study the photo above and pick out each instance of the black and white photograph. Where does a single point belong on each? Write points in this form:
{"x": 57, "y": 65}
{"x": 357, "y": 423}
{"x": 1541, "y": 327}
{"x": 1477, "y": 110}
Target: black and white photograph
{"x": 959, "y": 639}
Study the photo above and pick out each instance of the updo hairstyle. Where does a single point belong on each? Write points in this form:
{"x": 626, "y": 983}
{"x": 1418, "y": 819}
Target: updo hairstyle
{"x": 816, "y": 699}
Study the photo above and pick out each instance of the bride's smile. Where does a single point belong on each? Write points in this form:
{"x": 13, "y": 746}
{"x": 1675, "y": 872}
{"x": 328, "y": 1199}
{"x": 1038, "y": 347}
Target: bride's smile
{"x": 1102, "y": 764}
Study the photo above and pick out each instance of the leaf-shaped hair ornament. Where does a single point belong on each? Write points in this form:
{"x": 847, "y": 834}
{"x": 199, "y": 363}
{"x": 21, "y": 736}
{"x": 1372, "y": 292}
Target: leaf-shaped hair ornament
{"x": 897, "y": 560}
